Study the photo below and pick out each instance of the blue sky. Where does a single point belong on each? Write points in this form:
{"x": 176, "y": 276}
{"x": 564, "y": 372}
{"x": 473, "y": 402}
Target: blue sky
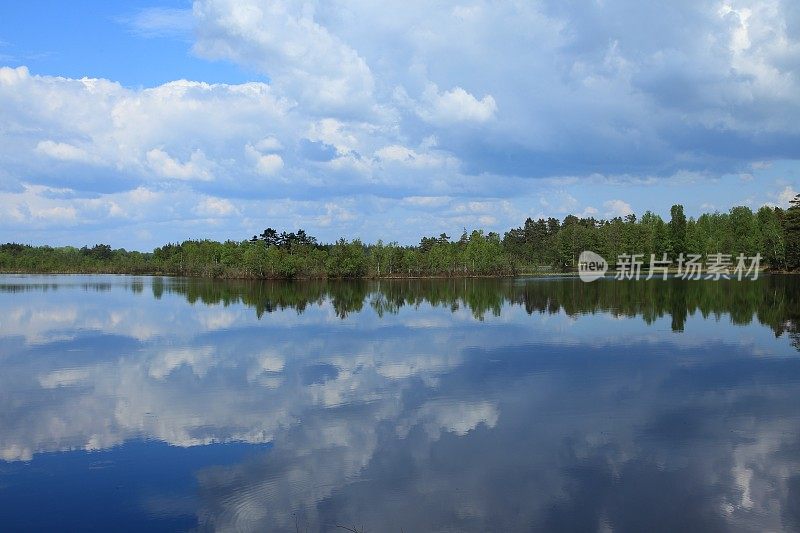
{"x": 105, "y": 40}
{"x": 140, "y": 123}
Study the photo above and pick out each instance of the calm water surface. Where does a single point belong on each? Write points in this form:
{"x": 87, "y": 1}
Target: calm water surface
{"x": 171, "y": 404}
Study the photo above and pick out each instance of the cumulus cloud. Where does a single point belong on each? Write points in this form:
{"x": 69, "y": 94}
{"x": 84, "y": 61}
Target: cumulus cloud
{"x": 268, "y": 144}
{"x": 62, "y": 151}
{"x": 216, "y": 207}
{"x": 456, "y": 105}
{"x": 196, "y": 168}
{"x": 403, "y": 155}
{"x": 266, "y": 164}
{"x": 282, "y": 39}
{"x": 129, "y": 136}
{"x": 617, "y": 208}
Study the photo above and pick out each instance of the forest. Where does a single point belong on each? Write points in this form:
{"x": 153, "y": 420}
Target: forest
{"x": 537, "y": 247}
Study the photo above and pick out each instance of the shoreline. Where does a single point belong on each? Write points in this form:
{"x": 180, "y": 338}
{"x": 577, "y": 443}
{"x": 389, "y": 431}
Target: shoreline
{"x": 518, "y": 275}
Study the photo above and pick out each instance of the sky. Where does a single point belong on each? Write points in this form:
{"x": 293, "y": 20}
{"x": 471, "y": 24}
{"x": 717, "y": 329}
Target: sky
{"x": 141, "y": 123}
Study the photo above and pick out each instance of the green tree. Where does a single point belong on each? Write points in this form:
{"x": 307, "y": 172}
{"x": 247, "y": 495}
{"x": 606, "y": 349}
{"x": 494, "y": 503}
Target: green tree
{"x": 771, "y": 242}
{"x": 743, "y": 231}
{"x": 677, "y": 230}
{"x": 347, "y": 260}
{"x": 792, "y": 232}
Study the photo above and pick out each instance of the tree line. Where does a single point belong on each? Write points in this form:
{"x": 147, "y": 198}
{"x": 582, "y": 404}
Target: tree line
{"x": 544, "y": 245}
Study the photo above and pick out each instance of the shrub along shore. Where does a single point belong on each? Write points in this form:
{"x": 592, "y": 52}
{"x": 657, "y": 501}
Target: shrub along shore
{"x": 541, "y": 247}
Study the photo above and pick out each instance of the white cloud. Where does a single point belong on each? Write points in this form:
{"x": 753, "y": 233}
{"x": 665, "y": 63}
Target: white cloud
{"x": 269, "y": 164}
{"x": 617, "y": 208}
{"x": 786, "y": 196}
{"x": 39, "y": 207}
{"x": 559, "y": 202}
{"x": 196, "y": 168}
{"x": 68, "y": 377}
{"x": 455, "y": 417}
{"x": 56, "y": 214}
{"x": 265, "y": 164}
{"x": 270, "y": 362}
{"x": 199, "y": 359}
{"x": 161, "y": 22}
{"x": 62, "y": 151}
{"x": 12, "y": 76}
{"x": 397, "y": 153}
{"x": 334, "y": 213}
{"x": 215, "y": 207}
{"x": 427, "y": 201}
{"x": 334, "y": 133}
{"x": 283, "y": 40}
{"x": 142, "y": 195}
{"x": 269, "y": 144}
{"x": 127, "y": 136}
{"x": 456, "y": 105}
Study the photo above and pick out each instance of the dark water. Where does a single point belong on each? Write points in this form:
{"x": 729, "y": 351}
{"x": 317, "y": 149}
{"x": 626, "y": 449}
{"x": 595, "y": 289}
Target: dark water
{"x": 149, "y": 403}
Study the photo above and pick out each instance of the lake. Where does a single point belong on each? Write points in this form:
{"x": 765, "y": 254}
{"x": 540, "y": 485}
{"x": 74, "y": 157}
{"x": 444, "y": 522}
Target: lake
{"x": 131, "y": 403}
